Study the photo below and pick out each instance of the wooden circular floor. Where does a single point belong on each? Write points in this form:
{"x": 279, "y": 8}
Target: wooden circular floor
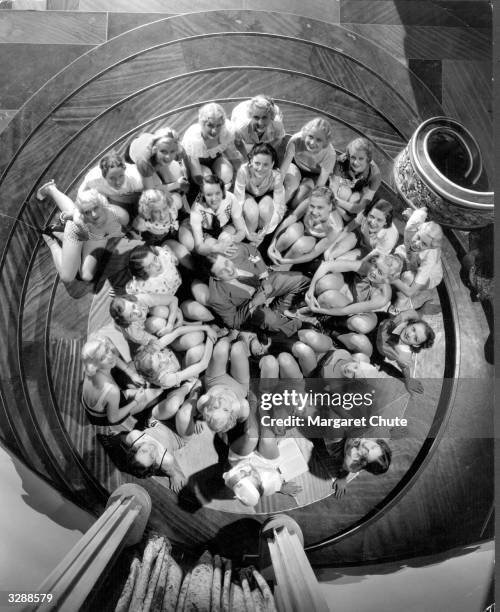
{"x": 160, "y": 74}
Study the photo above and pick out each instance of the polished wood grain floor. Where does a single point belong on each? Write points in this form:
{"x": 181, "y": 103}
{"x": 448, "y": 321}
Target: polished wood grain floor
{"x": 355, "y": 73}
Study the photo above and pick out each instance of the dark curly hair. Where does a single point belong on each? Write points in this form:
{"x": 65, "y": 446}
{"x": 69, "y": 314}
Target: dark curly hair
{"x": 111, "y": 160}
{"x": 382, "y": 464}
{"x": 136, "y": 469}
{"x": 212, "y": 179}
{"x": 136, "y": 259}
{"x": 429, "y": 333}
{"x": 204, "y": 264}
{"x": 385, "y": 207}
{"x": 262, "y": 148}
{"x": 117, "y": 307}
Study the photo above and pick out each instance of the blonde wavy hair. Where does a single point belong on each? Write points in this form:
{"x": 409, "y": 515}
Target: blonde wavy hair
{"x": 93, "y": 352}
{"x": 149, "y": 198}
{"x": 319, "y": 124}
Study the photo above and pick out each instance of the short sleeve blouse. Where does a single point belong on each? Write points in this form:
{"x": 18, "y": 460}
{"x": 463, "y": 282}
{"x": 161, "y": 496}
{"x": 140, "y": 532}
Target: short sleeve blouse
{"x": 203, "y": 216}
{"x": 74, "y": 232}
{"x": 371, "y": 178}
{"x": 196, "y": 147}
{"x": 333, "y": 225}
{"x": 273, "y": 132}
{"x": 158, "y": 228}
{"x": 383, "y": 241}
{"x": 323, "y": 160}
{"x": 255, "y": 186}
{"x": 395, "y": 352}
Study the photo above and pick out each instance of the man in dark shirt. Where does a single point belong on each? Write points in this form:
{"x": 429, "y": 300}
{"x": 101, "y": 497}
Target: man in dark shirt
{"x": 245, "y": 293}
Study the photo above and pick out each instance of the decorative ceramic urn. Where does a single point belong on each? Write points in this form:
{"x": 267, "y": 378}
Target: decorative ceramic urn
{"x": 441, "y": 168}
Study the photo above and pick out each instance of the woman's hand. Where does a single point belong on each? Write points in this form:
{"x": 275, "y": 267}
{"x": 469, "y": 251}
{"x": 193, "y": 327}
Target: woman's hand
{"x": 255, "y": 238}
{"x": 259, "y": 298}
{"x": 211, "y": 333}
{"x": 170, "y": 381}
{"x": 414, "y": 386}
{"x": 226, "y": 247}
{"x": 138, "y": 395}
{"x": 162, "y": 332}
{"x": 183, "y": 184}
{"x": 314, "y": 306}
{"x": 274, "y": 254}
{"x": 311, "y": 301}
{"x": 135, "y": 377}
{"x": 271, "y": 250}
{"x": 339, "y": 487}
{"x": 290, "y": 488}
{"x": 397, "y": 319}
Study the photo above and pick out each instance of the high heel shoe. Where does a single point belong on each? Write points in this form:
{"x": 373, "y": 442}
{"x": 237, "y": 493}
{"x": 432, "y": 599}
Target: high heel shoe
{"x": 52, "y": 228}
{"x": 40, "y": 194}
{"x": 50, "y": 231}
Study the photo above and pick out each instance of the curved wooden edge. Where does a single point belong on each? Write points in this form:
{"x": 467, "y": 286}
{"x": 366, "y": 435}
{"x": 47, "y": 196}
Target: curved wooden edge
{"x": 101, "y": 58}
{"x": 451, "y": 315}
{"x": 355, "y": 95}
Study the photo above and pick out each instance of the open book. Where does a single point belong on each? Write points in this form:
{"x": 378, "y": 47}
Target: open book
{"x": 292, "y": 462}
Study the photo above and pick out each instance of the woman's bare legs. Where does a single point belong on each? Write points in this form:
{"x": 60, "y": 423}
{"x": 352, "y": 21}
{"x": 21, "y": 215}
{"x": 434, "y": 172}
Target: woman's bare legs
{"x": 311, "y": 346}
{"x": 302, "y": 193}
{"x": 200, "y": 292}
{"x": 224, "y": 169}
{"x": 240, "y": 368}
{"x": 185, "y": 424}
{"x": 220, "y": 356}
{"x": 289, "y": 236}
{"x": 188, "y": 341}
{"x": 186, "y": 237}
{"x": 182, "y": 254}
{"x": 302, "y": 246}
{"x": 291, "y": 182}
{"x": 307, "y": 358}
{"x": 356, "y": 343}
{"x": 91, "y": 250}
{"x": 251, "y": 214}
{"x": 170, "y": 405}
{"x": 63, "y": 202}
{"x": 193, "y": 311}
{"x": 289, "y": 368}
{"x": 362, "y": 323}
{"x": 67, "y": 259}
{"x": 320, "y": 343}
{"x": 194, "y": 354}
{"x": 266, "y": 210}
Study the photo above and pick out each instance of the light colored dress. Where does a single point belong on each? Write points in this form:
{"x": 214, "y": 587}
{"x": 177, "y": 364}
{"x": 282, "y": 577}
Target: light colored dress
{"x": 382, "y": 241}
{"x": 196, "y": 147}
{"x": 312, "y": 163}
{"x": 76, "y": 232}
{"x": 333, "y": 225}
{"x": 202, "y": 216}
{"x": 426, "y": 264}
{"x": 159, "y": 229}
{"x": 271, "y": 184}
{"x": 272, "y": 134}
{"x": 269, "y": 476}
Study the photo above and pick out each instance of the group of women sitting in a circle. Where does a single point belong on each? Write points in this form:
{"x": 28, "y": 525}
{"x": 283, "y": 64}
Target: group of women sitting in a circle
{"x": 225, "y": 182}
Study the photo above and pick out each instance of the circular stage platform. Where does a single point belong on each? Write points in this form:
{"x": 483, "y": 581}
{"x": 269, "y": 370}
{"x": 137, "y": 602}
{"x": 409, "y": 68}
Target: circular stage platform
{"x": 160, "y": 74}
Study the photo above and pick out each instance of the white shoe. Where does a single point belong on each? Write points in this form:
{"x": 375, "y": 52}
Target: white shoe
{"x": 40, "y": 194}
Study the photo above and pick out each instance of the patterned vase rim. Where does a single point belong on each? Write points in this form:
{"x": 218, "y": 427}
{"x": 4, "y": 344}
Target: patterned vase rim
{"x": 437, "y": 181}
